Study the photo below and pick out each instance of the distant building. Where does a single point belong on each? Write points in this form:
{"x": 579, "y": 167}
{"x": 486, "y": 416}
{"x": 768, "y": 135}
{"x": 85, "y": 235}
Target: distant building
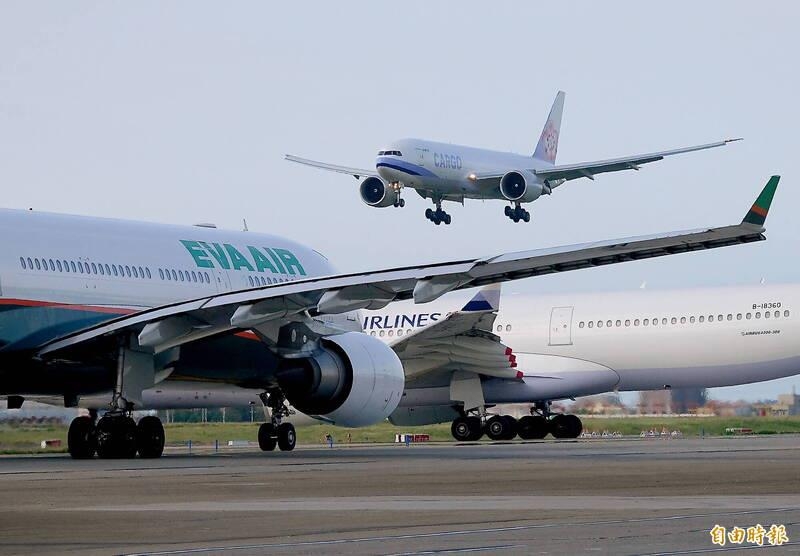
{"x": 787, "y": 404}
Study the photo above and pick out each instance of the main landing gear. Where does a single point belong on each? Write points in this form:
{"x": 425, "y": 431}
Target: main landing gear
{"x": 518, "y": 213}
{"x": 275, "y": 433}
{"x": 438, "y": 216}
{"x": 116, "y": 434}
{"x": 469, "y": 428}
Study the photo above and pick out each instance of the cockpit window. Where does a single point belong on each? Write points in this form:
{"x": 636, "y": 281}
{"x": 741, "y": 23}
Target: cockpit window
{"x": 390, "y": 153}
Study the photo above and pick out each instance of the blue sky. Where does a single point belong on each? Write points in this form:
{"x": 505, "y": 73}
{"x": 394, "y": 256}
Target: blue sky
{"x": 182, "y": 111}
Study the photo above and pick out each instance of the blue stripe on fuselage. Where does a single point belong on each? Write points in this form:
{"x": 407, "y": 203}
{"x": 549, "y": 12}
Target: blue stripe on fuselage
{"x": 403, "y": 166}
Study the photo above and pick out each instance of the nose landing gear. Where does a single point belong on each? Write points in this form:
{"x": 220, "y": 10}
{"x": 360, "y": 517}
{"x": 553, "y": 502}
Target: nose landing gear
{"x": 398, "y": 202}
{"x": 275, "y": 433}
{"x": 518, "y": 213}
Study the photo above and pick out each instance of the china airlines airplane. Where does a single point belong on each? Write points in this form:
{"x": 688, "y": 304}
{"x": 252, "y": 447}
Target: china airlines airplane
{"x": 444, "y": 172}
{"x": 93, "y": 306}
{"x": 537, "y": 349}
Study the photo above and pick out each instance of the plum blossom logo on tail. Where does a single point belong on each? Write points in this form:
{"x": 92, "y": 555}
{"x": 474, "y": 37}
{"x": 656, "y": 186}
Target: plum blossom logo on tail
{"x": 550, "y": 137}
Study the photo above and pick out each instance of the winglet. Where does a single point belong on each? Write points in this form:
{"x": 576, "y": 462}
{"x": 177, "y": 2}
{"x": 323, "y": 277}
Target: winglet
{"x": 758, "y": 212}
{"x": 487, "y": 299}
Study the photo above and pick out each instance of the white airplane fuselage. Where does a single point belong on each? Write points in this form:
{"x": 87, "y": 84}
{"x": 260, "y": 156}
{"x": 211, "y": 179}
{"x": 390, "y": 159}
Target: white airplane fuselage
{"x": 574, "y": 345}
{"x": 449, "y": 170}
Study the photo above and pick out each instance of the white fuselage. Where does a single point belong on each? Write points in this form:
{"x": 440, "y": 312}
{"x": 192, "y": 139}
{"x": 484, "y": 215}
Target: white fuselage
{"x": 640, "y": 340}
{"x": 448, "y": 169}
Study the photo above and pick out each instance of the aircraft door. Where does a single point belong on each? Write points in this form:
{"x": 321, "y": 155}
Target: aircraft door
{"x": 421, "y": 156}
{"x": 561, "y": 326}
{"x": 223, "y": 282}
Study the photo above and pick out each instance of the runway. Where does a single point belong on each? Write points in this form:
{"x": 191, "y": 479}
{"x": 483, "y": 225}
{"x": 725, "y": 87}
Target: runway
{"x": 626, "y": 496}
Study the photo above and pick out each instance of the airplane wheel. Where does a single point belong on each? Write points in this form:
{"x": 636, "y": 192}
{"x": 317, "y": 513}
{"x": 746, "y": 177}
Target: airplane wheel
{"x": 476, "y": 428}
{"x": 574, "y": 426}
{"x": 429, "y": 214}
{"x": 402, "y": 203}
{"x": 447, "y": 219}
{"x": 81, "y": 439}
{"x": 497, "y": 428}
{"x": 508, "y": 211}
{"x": 267, "y": 439}
{"x": 532, "y": 427}
{"x": 512, "y": 427}
{"x": 116, "y": 437}
{"x": 564, "y": 426}
{"x": 150, "y": 437}
{"x": 526, "y": 216}
{"x": 287, "y": 437}
{"x": 460, "y": 429}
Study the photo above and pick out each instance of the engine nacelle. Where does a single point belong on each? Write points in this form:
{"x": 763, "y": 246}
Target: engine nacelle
{"x": 376, "y": 193}
{"x": 520, "y": 186}
{"x": 353, "y": 381}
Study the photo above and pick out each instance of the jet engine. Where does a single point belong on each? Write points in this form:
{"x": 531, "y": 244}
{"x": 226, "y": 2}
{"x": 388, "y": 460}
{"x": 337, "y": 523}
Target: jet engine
{"x": 520, "y": 186}
{"x": 353, "y": 380}
{"x": 375, "y": 193}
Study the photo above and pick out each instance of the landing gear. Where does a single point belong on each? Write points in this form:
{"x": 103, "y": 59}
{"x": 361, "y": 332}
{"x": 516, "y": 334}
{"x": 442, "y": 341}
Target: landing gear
{"x": 533, "y": 427}
{"x": 467, "y": 429}
{"x": 501, "y": 427}
{"x": 438, "y": 216}
{"x": 150, "y": 437}
{"x": 397, "y": 187}
{"x": 267, "y": 437}
{"x": 276, "y": 433}
{"x": 541, "y": 421}
{"x": 81, "y": 439}
{"x": 517, "y": 213}
{"x": 566, "y": 426}
{"x": 116, "y": 437}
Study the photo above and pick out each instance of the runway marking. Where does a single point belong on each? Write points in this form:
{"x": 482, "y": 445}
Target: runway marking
{"x": 461, "y": 550}
{"x": 477, "y": 503}
{"x": 454, "y": 533}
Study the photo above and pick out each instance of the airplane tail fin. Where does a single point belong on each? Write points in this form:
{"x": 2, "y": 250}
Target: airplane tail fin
{"x": 547, "y": 147}
{"x": 757, "y": 215}
{"x": 487, "y": 299}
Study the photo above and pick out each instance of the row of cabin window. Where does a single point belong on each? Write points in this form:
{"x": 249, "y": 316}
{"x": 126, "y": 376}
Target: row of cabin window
{"x": 184, "y": 275}
{"x": 262, "y": 281}
{"x": 389, "y": 332}
{"x": 79, "y": 267}
{"x": 683, "y": 320}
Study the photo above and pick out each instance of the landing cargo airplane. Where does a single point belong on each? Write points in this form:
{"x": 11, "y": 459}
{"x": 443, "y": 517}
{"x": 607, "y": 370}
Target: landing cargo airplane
{"x": 97, "y": 305}
{"x": 445, "y": 172}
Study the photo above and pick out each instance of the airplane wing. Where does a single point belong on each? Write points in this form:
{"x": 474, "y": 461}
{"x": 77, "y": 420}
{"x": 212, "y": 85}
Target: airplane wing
{"x": 163, "y": 327}
{"x": 462, "y": 341}
{"x": 358, "y": 173}
{"x": 590, "y": 169}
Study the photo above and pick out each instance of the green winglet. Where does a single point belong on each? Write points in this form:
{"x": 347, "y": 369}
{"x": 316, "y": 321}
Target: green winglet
{"x": 758, "y": 212}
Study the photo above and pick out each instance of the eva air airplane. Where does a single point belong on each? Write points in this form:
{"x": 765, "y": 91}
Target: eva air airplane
{"x": 110, "y": 314}
{"x": 444, "y": 172}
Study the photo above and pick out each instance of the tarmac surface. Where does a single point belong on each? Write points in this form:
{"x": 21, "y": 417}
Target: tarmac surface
{"x": 617, "y": 496}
